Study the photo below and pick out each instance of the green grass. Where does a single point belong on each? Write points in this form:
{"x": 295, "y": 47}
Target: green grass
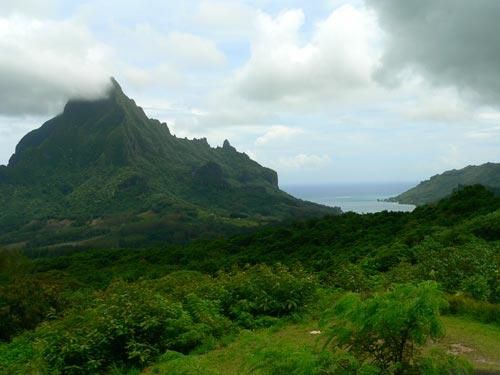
{"x": 479, "y": 343}
{"x": 235, "y": 357}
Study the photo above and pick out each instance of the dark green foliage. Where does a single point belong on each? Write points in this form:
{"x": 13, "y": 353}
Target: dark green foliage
{"x": 264, "y": 291}
{"x": 210, "y": 176}
{"x": 127, "y": 323}
{"x": 478, "y": 286}
{"x": 12, "y": 264}
{"x": 482, "y": 311}
{"x": 27, "y": 299}
{"x": 350, "y": 277}
{"x": 471, "y": 267}
{"x": 130, "y": 324}
{"x": 352, "y": 252}
{"x": 464, "y": 203}
{"x": 487, "y": 226}
{"x": 250, "y": 296}
{"x": 187, "y": 298}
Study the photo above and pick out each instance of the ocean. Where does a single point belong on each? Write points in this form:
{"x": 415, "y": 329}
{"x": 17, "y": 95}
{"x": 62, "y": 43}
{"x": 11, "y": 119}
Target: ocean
{"x": 357, "y": 197}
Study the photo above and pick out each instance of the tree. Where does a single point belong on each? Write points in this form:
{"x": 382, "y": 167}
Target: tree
{"x": 388, "y": 329}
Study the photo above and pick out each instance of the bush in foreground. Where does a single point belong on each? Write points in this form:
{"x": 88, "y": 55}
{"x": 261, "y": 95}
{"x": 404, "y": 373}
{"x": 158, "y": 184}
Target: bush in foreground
{"x": 390, "y": 329}
{"x": 128, "y": 324}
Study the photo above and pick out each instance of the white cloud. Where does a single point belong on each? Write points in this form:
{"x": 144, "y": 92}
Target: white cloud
{"x": 163, "y": 75}
{"x": 31, "y": 7}
{"x": 338, "y": 59}
{"x": 221, "y": 109}
{"x": 277, "y": 133}
{"x": 489, "y": 132}
{"x": 183, "y": 48}
{"x": 438, "y": 105}
{"x": 46, "y": 62}
{"x": 452, "y": 157}
{"x": 43, "y": 63}
{"x": 225, "y": 15}
{"x": 223, "y": 69}
{"x": 304, "y": 161}
{"x": 490, "y": 115}
{"x": 483, "y": 134}
{"x": 194, "y": 49}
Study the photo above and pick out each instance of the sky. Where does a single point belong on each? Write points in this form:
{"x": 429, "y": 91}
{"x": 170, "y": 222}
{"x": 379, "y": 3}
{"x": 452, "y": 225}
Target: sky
{"x": 324, "y": 91}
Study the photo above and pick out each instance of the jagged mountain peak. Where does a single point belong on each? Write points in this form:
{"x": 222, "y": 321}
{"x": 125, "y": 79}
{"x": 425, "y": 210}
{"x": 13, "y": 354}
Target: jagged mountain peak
{"x": 114, "y": 97}
{"x": 113, "y": 126}
{"x": 105, "y": 158}
{"x": 115, "y": 85}
{"x": 227, "y": 146}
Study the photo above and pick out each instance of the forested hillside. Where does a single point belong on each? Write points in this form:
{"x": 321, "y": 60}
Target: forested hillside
{"x": 442, "y": 185}
{"x": 103, "y": 310}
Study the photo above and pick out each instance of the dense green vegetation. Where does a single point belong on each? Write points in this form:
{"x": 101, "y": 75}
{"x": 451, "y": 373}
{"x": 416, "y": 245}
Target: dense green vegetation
{"x": 103, "y": 174}
{"x": 374, "y": 285}
{"x": 442, "y": 185}
{"x": 130, "y": 250}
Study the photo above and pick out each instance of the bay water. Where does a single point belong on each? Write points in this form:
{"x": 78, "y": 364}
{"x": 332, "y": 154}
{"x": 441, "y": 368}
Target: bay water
{"x": 357, "y": 197}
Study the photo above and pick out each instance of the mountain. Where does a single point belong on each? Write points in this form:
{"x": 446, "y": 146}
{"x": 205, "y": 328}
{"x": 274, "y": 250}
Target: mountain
{"x": 442, "y": 185}
{"x": 103, "y": 174}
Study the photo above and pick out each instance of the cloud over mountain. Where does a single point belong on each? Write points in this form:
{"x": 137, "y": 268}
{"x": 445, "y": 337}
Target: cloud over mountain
{"x": 43, "y": 63}
{"x": 449, "y": 42}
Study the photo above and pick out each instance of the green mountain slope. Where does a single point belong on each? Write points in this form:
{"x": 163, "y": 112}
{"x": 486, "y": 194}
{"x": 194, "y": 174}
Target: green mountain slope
{"x": 442, "y": 185}
{"x": 103, "y": 170}
{"x": 200, "y": 307}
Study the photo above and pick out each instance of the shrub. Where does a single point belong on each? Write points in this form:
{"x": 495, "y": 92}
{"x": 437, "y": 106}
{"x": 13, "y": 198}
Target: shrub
{"x": 19, "y": 357}
{"x": 177, "y": 285}
{"x": 128, "y": 324}
{"x": 26, "y": 301}
{"x": 264, "y": 291}
{"x": 388, "y": 257}
{"x": 207, "y": 314}
{"x": 350, "y": 277}
{"x": 402, "y": 273}
{"x": 477, "y": 287}
{"x": 476, "y": 262}
{"x": 388, "y": 329}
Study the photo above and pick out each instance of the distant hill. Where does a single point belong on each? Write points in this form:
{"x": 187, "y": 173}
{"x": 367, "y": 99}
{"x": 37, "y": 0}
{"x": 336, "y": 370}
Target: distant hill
{"x": 103, "y": 174}
{"x": 442, "y": 185}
